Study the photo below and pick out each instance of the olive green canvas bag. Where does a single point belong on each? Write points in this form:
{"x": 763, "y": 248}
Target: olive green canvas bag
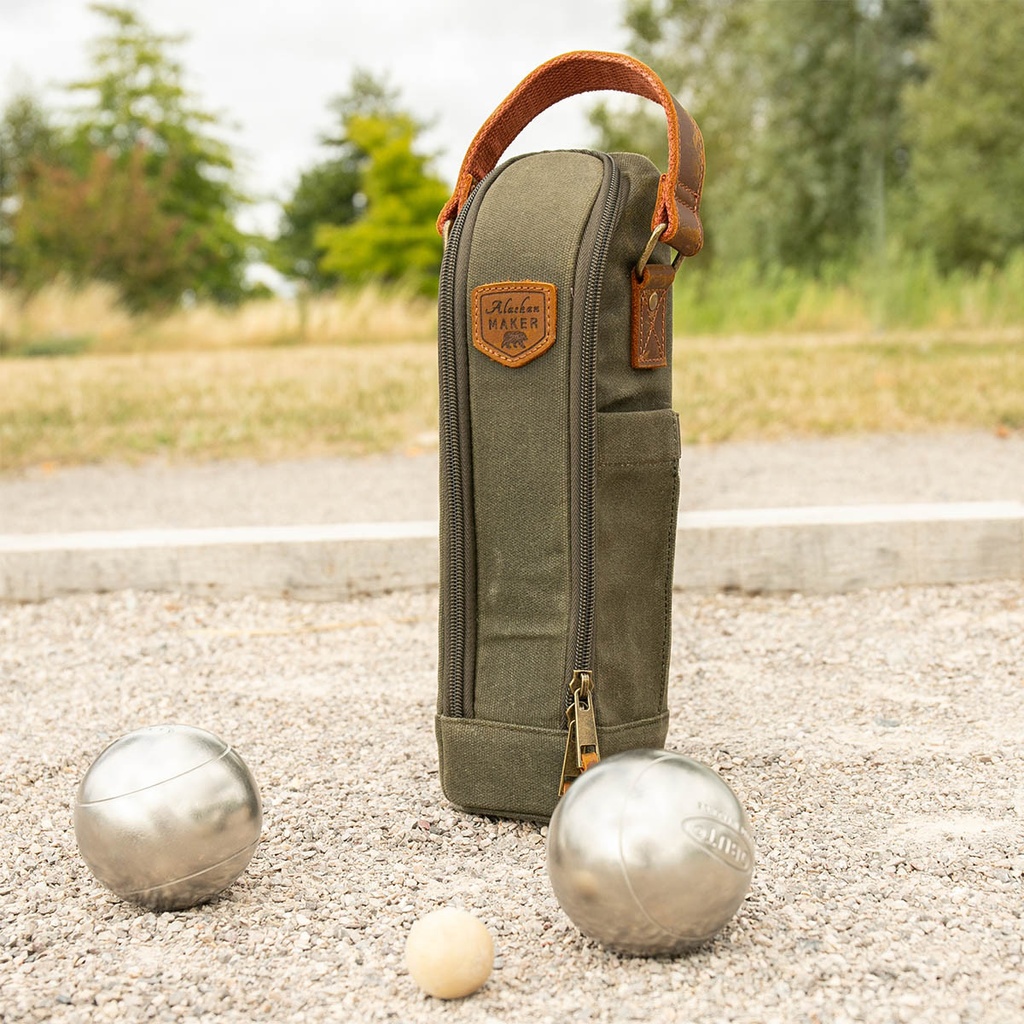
{"x": 559, "y": 446}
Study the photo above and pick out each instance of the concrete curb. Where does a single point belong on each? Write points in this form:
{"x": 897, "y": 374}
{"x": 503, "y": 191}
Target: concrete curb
{"x": 828, "y": 549}
{"x": 836, "y": 549}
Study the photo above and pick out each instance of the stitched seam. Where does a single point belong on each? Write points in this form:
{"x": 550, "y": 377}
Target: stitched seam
{"x": 680, "y": 187}
{"x": 486, "y": 348}
{"x": 646, "y": 358}
{"x": 666, "y": 641}
{"x": 640, "y": 462}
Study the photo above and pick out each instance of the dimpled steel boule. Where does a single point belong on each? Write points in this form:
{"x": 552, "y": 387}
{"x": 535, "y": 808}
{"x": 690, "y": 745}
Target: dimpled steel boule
{"x": 650, "y": 853}
{"x": 168, "y": 816}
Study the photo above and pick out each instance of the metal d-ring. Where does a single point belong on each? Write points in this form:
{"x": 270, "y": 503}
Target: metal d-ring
{"x": 641, "y": 265}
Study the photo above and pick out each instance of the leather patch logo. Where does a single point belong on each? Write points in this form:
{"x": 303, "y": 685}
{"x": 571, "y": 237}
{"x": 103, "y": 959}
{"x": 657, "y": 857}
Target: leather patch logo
{"x": 514, "y": 321}
{"x": 649, "y": 348}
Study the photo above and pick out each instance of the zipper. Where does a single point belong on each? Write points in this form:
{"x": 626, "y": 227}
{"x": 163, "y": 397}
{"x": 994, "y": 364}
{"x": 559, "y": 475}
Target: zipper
{"x": 582, "y": 746}
{"x": 453, "y": 498}
{"x": 581, "y": 750}
{"x": 454, "y": 526}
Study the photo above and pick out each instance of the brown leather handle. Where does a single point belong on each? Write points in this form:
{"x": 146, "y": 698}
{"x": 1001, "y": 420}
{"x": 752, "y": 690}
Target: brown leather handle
{"x": 678, "y": 202}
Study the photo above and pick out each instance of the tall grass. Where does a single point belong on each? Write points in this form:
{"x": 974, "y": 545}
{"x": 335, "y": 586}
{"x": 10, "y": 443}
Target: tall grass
{"x": 231, "y": 403}
{"x": 62, "y": 320}
{"x": 271, "y": 403}
{"x": 901, "y": 291}
{"x": 756, "y": 357}
{"x": 771, "y": 387}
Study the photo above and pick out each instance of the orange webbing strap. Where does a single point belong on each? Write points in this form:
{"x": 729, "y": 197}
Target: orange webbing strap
{"x": 580, "y": 71}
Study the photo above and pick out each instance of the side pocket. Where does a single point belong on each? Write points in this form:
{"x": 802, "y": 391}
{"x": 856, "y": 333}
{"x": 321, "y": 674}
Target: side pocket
{"x": 637, "y": 503}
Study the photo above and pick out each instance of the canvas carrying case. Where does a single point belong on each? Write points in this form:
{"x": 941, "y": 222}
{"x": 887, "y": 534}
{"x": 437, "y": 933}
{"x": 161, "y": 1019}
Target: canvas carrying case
{"x": 559, "y": 448}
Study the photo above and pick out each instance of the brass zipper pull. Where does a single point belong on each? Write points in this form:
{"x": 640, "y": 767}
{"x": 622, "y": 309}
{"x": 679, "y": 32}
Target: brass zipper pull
{"x": 570, "y": 769}
{"x": 581, "y": 746}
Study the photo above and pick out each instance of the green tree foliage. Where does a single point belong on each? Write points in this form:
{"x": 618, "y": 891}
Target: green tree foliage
{"x": 965, "y": 128}
{"x": 393, "y": 239}
{"x": 703, "y": 50}
{"x": 798, "y": 101}
{"x": 136, "y": 96}
{"x": 110, "y": 224}
{"x": 29, "y": 142}
{"x": 138, "y": 154}
{"x": 28, "y": 138}
{"x": 330, "y": 191}
{"x": 827, "y": 147}
{"x": 325, "y": 194}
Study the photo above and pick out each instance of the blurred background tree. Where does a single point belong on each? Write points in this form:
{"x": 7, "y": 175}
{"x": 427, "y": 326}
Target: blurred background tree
{"x": 30, "y": 143}
{"x": 367, "y": 213}
{"x": 851, "y": 143}
{"x": 28, "y": 138}
{"x": 799, "y": 103}
{"x": 329, "y": 192}
{"x": 965, "y": 131}
{"x": 393, "y": 239}
{"x": 109, "y": 222}
{"x": 135, "y": 188}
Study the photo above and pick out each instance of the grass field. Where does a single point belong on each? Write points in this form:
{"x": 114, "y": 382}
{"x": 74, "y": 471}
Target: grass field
{"x": 301, "y": 400}
{"x": 769, "y": 387}
{"x": 61, "y": 320}
{"x": 260, "y": 403}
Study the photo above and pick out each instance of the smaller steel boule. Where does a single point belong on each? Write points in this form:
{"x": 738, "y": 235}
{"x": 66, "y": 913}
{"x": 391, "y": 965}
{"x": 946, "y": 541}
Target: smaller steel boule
{"x": 650, "y": 853}
{"x": 167, "y": 817}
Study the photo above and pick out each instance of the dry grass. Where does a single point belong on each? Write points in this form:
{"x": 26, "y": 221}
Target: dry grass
{"x": 59, "y": 318}
{"x": 260, "y": 403}
{"x": 271, "y": 403}
{"x": 63, "y": 320}
{"x": 343, "y": 374}
{"x": 774, "y": 387}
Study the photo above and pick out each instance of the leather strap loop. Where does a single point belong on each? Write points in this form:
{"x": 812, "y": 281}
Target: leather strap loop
{"x": 678, "y": 202}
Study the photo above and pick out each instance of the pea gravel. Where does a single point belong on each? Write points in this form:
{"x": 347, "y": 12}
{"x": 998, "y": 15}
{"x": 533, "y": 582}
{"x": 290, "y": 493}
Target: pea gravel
{"x": 876, "y": 738}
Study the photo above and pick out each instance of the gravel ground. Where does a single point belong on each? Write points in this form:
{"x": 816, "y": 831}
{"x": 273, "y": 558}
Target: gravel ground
{"x": 876, "y": 739}
{"x": 971, "y": 466}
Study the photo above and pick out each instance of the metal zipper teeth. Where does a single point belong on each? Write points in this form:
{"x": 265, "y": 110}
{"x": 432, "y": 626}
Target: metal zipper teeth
{"x": 583, "y": 642}
{"x": 454, "y": 526}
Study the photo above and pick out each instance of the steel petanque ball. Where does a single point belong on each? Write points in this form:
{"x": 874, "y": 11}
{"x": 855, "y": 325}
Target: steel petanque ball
{"x": 650, "y": 853}
{"x": 167, "y": 817}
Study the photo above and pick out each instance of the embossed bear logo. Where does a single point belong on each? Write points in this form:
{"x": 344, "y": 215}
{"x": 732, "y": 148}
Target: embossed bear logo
{"x": 513, "y": 321}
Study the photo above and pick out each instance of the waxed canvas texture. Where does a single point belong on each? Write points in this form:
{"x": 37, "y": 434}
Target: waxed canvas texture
{"x": 504, "y": 754}
{"x": 520, "y": 421}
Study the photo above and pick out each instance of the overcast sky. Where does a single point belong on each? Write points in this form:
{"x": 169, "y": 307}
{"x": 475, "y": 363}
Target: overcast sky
{"x": 269, "y": 66}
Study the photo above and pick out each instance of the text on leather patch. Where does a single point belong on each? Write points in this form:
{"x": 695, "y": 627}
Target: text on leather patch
{"x": 514, "y": 321}
{"x": 649, "y": 327}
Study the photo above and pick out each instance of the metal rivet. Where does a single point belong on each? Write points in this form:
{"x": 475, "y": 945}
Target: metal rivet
{"x": 652, "y": 302}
